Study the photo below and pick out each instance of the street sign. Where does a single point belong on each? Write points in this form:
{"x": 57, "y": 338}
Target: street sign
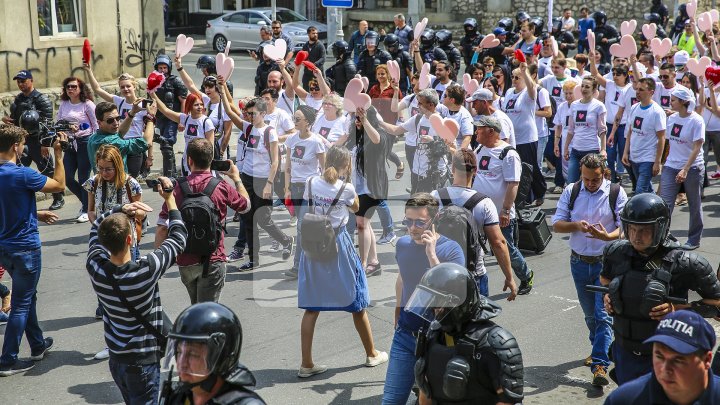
{"x": 337, "y": 3}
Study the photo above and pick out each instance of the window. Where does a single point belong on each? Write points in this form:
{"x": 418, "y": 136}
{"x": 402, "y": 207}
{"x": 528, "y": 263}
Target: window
{"x": 286, "y": 16}
{"x": 229, "y": 5}
{"x": 205, "y": 5}
{"x": 58, "y": 17}
{"x": 255, "y": 18}
{"x": 240, "y": 18}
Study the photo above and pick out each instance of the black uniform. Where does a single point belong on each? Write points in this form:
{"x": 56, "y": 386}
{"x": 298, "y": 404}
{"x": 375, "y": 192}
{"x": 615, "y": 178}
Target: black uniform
{"x": 430, "y": 54}
{"x": 454, "y": 56}
{"x": 367, "y": 63}
{"x": 340, "y": 74}
{"x": 261, "y": 75}
{"x": 468, "y": 43}
{"x": 566, "y": 41}
{"x": 41, "y": 103}
{"x": 612, "y": 35}
{"x": 170, "y": 93}
{"x": 235, "y": 391}
{"x": 660, "y": 9}
{"x": 405, "y": 62}
{"x": 316, "y": 55}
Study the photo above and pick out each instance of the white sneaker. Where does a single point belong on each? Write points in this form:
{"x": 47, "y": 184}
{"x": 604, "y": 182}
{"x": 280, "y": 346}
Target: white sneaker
{"x": 82, "y": 218}
{"x": 309, "y": 372}
{"x": 293, "y": 221}
{"x": 102, "y": 354}
{"x": 275, "y": 247}
{"x": 381, "y": 358}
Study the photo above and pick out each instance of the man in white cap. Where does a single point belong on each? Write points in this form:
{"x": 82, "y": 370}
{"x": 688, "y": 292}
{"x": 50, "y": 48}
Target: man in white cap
{"x": 482, "y": 104}
{"x": 680, "y": 61}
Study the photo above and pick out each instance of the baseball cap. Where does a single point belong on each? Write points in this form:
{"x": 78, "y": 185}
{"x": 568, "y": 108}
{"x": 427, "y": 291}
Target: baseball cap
{"x": 681, "y": 58}
{"x": 499, "y": 31}
{"x": 488, "y": 121}
{"x": 23, "y": 74}
{"x": 480, "y": 94}
{"x": 684, "y": 332}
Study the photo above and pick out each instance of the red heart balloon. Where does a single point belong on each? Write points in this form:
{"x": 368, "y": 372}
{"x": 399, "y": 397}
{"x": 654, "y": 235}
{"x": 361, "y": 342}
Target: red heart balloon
{"x": 309, "y": 65}
{"x": 300, "y": 57}
{"x": 520, "y": 56}
{"x": 86, "y": 51}
{"x": 154, "y": 81}
{"x": 712, "y": 73}
{"x": 536, "y": 49}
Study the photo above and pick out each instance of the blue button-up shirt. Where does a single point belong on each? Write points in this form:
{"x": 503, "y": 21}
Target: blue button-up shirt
{"x": 593, "y": 208}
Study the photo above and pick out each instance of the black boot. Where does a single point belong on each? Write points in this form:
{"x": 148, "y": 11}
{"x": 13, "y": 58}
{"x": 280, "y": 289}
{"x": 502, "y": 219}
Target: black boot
{"x": 58, "y": 201}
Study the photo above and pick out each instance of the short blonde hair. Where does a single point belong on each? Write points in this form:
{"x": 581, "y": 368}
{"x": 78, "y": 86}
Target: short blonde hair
{"x": 334, "y": 99}
{"x": 128, "y": 76}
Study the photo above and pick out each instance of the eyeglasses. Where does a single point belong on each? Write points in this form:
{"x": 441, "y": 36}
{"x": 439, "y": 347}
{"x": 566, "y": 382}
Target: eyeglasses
{"x": 664, "y": 76}
{"x": 497, "y": 77}
{"x": 328, "y": 104}
{"x": 113, "y": 120}
{"x": 418, "y": 223}
{"x": 516, "y": 77}
{"x": 105, "y": 169}
{"x": 617, "y": 74}
{"x": 71, "y": 86}
{"x": 251, "y": 113}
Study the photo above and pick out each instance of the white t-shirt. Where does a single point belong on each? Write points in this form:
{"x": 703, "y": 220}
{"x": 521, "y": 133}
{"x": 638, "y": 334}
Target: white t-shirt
{"x": 463, "y": 119}
{"x": 586, "y": 120}
{"x": 303, "y": 154}
{"x": 316, "y": 104}
{"x": 285, "y": 103}
{"x": 138, "y": 126}
{"x": 421, "y": 163}
{"x": 508, "y": 133}
{"x": 562, "y": 118}
{"x": 614, "y": 100}
{"x": 253, "y": 157}
{"x": 554, "y": 87}
{"x": 712, "y": 121}
{"x": 520, "y": 108}
{"x": 329, "y": 130}
{"x": 662, "y": 96}
{"x": 412, "y": 109}
{"x": 323, "y": 196}
{"x": 194, "y": 128}
{"x": 643, "y": 124}
{"x": 568, "y": 22}
{"x": 440, "y": 88}
{"x": 542, "y": 101}
{"x": 494, "y": 174}
{"x": 629, "y": 99}
{"x": 682, "y": 133}
{"x": 213, "y": 109}
{"x": 280, "y": 120}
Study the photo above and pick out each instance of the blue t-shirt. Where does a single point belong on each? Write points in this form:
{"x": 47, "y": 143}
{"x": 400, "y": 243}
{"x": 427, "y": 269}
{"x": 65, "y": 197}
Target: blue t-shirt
{"x": 413, "y": 264}
{"x": 585, "y": 24}
{"x": 646, "y": 390}
{"x": 18, "y": 212}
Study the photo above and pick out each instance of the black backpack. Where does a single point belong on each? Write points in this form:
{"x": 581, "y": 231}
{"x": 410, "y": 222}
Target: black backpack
{"x": 525, "y": 176}
{"x": 202, "y": 220}
{"x": 612, "y": 199}
{"x": 318, "y": 235}
{"x": 458, "y": 223}
{"x": 553, "y": 109}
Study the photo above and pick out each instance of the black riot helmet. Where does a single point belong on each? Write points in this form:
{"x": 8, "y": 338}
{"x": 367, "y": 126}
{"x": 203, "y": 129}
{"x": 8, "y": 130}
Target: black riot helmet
{"x": 447, "y": 293}
{"x": 600, "y": 18}
{"x": 207, "y": 62}
{"x": 470, "y": 25}
{"x": 682, "y": 9}
{"x": 427, "y": 39}
{"x": 372, "y": 38}
{"x": 392, "y": 43}
{"x": 522, "y": 16}
{"x": 556, "y": 24}
{"x": 30, "y": 121}
{"x": 164, "y": 59}
{"x": 205, "y": 329}
{"x": 340, "y": 49}
{"x": 647, "y": 209}
{"x": 506, "y": 24}
{"x": 539, "y": 24}
{"x": 444, "y": 38}
{"x": 653, "y": 18}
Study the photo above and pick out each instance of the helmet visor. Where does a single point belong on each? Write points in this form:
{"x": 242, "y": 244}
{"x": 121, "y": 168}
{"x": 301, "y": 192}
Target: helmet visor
{"x": 372, "y": 41}
{"x": 194, "y": 357}
{"x": 431, "y": 305}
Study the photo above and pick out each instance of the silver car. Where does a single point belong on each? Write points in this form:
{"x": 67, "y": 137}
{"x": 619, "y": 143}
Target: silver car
{"x": 243, "y": 28}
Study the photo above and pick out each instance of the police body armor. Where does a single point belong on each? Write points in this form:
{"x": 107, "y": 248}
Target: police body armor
{"x": 431, "y": 54}
{"x": 167, "y": 93}
{"x": 611, "y": 33}
{"x": 453, "y": 56}
{"x": 468, "y": 43}
{"x": 340, "y": 74}
{"x": 404, "y": 61}
{"x": 235, "y": 391}
{"x": 367, "y": 63}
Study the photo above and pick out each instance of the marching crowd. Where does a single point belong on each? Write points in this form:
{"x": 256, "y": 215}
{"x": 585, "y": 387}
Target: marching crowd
{"x": 624, "y": 140}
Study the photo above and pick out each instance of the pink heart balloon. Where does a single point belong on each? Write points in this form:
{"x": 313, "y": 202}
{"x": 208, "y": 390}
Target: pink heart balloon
{"x": 394, "y": 69}
{"x": 424, "y": 76}
{"x": 659, "y": 47}
{"x": 470, "y": 85}
{"x": 704, "y": 22}
{"x": 577, "y": 93}
{"x": 227, "y": 48}
{"x": 354, "y": 96}
{"x": 698, "y": 67}
{"x": 277, "y": 50}
{"x": 419, "y": 28}
{"x": 224, "y": 65}
{"x": 649, "y": 31}
{"x": 628, "y": 27}
{"x": 554, "y": 45}
{"x": 691, "y": 8}
{"x": 591, "y": 39}
{"x": 489, "y": 42}
{"x": 715, "y": 15}
{"x": 625, "y": 48}
{"x": 154, "y": 80}
{"x": 183, "y": 45}
{"x": 447, "y": 128}
{"x": 364, "y": 80}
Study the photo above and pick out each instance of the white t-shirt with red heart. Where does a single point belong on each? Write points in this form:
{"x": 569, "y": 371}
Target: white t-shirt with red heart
{"x": 421, "y": 163}
{"x": 520, "y": 108}
{"x": 253, "y": 157}
{"x": 303, "y": 154}
{"x": 682, "y": 133}
{"x": 643, "y": 125}
{"x": 586, "y": 120}
{"x": 194, "y": 128}
{"x": 329, "y": 130}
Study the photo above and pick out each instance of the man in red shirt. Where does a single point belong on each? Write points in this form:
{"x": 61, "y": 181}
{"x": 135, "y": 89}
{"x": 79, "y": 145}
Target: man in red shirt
{"x": 205, "y": 288}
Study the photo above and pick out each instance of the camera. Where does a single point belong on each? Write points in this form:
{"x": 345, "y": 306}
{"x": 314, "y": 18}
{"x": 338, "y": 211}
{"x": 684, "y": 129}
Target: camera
{"x": 145, "y": 102}
{"x": 49, "y": 132}
{"x": 152, "y": 185}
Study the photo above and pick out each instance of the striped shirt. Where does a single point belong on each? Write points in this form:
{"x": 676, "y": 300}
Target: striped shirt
{"x": 126, "y": 338}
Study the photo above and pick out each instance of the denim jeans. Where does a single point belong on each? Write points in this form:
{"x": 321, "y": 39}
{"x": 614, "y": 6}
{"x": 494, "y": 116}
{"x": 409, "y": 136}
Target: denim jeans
{"x": 296, "y": 193}
{"x": 615, "y": 151}
{"x": 629, "y": 365}
{"x": 574, "y": 164}
{"x": 77, "y": 160}
{"x": 138, "y": 383}
{"x": 4, "y": 317}
{"x": 482, "y": 285}
{"x": 517, "y": 260}
{"x": 385, "y": 217}
{"x": 643, "y": 174}
{"x": 597, "y": 319}
{"x": 669, "y": 189}
{"x": 542, "y": 144}
{"x": 24, "y": 268}
{"x": 400, "y": 375}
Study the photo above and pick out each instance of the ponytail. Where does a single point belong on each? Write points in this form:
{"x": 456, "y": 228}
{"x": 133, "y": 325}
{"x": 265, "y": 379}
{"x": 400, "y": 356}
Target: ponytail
{"x": 336, "y": 160}
{"x": 330, "y": 175}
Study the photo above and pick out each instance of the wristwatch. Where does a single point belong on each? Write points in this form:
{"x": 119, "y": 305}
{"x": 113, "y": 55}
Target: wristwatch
{"x": 506, "y": 211}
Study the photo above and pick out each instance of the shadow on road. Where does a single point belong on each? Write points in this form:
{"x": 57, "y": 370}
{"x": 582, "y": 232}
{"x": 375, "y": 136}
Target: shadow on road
{"x": 548, "y": 378}
{"x": 99, "y": 393}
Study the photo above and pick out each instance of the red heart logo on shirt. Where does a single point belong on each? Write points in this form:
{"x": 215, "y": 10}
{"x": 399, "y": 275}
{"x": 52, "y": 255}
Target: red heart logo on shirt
{"x": 581, "y": 116}
{"x": 637, "y": 122}
{"x": 298, "y": 151}
{"x": 676, "y": 130}
{"x": 192, "y": 130}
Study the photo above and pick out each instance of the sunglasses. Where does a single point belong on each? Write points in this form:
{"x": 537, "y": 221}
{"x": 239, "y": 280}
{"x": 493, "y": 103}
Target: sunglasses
{"x": 618, "y": 74}
{"x": 516, "y": 77}
{"x": 664, "y": 76}
{"x": 113, "y": 120}
{"x": 71, "y": 86}
{"x": 251, "y": 113}
{"x": 498, "y": 77}
{"x": 298, "y": 119}
{"x": 314, "y": 88}
{"x": 418, "y": 223}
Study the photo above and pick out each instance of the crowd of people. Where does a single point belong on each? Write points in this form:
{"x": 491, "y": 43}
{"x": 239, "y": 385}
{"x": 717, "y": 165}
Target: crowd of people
{"x": 631, "y": 138}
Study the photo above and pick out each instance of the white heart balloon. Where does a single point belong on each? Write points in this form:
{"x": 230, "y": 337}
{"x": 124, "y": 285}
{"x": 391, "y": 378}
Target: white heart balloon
{"x": 277, "y": 50}
{"x": 224, "y": 65}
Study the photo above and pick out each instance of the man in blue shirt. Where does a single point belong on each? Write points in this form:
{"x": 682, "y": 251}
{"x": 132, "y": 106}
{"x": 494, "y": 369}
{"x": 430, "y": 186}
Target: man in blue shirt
{"x": 20, "y": 245}
{"x": 585, "y": 23}
{"x": 357, "y": 40}
{"x": 682, "y": 352}
{"x": 416, "y": 252}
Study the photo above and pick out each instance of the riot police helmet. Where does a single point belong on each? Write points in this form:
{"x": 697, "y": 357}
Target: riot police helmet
{"x": 653, "y": 18}
{"x": 30, "y": 121}
{"x": 470, "y": 25}
{"x": 392, "y": 42}
{"x": 600, "y": 18}
{"x": 447, "y": 293}
{"x": 647, "y": 209}
{"x": 539, "y": 24}
{"x": 205, "y": 340}
{"x": 163, "y": 59}
{"x": 371, "y": 38}
{"x": 682, "y": 9}
{"x": 427, "y": 38}
{"x": 340, "y": 49}
{"x": 444, "y": 38}
{"x": 506, "y": 23}
{"x": 522, "y": 16}
{"x": 207, "y": 62}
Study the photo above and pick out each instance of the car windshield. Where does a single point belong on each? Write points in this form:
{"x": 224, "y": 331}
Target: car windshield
{"x": 286, "y": 16}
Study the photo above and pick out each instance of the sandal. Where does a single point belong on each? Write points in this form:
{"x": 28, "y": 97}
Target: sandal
{"x": 399, "y": 173}
{"x": 373, "y": 270}
{"x": 681, "y": 200}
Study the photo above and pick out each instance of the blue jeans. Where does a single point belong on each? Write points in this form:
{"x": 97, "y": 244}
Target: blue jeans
{"x": 77, "y": 160}
{"x": 482, "y": 284}
{"x": 400, "y": 375}
{"x": 138, "y": 383}
{"x": 542, "y": 144}
{"x": 628, "y": 365}
{"x": 385, "y": 217}
{"x": 644, "y": 175}
{"x": 582, "y": 45}
{"x": 574, "y": 164}
{"x": 296, "y": 193}
{"x": 24, "y": 268}
{"x": 615, "y": 151}
{"x": 597, "y": 319}
{"x": 669, "y": 189}
{"x": 4, "y": 317}
{"x": 517, "y": 260}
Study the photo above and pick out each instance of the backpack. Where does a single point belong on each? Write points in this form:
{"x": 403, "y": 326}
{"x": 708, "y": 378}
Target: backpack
{"x": 458, "y": 223}
{"x": 202, "y": 220}
{"x": 525, "y": 176}
{"x": 318, "y": 235}
{"x": 553, "y": 108}
{"x": 614, "y": 192}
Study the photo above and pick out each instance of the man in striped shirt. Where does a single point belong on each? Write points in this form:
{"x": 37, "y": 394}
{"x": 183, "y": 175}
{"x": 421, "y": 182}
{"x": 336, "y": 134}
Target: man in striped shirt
{"x": 135, "y": 344}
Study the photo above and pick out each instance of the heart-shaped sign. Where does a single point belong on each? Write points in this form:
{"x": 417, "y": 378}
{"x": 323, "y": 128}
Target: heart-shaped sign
{"x": 469, "y": 84}
{"x": 704, "y": 21}
{"x": 365, "y": 81}
{"x": 224, "y": 65}
{"x": 227, "y": 48}
{"x": 489, "y": 42}
{"x": 715, "y": 15}
{"x": 183, "y": 45}
{"x": 309, "y": 65}
{"x": 691, "y": 8}
{"x": 536, "y": 49}
{"x": 659, "y": 47}
{"x": 554, "y": 45}
{"x": 712, "y": 73}
{"x": 300, "y": 57}
{"x": 424, "y": 76}
{"x": 86, "y": 52}
{"x": 277, "y": 50}
{"x": 447, "y": 128}
{"x": 591, "y": 39}
{"x": 354, "y": 96}
{"x": 625, "y": 48}
{"x": 697, "y": 67}
{"x": 649, "y": 31}
{"x": 419, "y": 28}
{"x": 520, "y": 56}
{"x": 394, "y": 69}
{"x": 154, "y": 81}
{"x": 577, "y": 93}
{"x": 628, "y": 27}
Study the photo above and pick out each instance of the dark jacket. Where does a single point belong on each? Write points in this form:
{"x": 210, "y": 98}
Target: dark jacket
{"x": 170, "y": 93}
{"x": 261, "y": 76}
{"x": 35, "y": 101}
{"x": 340, "y": 74}
{"x": 316, "y": 55}
{"x": 366, "y": 65}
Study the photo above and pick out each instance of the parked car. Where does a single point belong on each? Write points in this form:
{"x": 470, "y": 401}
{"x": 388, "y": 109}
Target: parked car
{"x": 242, "y": 27}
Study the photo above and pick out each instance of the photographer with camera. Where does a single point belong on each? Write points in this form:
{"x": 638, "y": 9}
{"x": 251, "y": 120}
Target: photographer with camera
{"x": 20, "y": 245}
{"x": 27, "y": 110}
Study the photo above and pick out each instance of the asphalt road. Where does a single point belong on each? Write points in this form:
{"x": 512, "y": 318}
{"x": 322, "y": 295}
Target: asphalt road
{"x": 548, "y": 322}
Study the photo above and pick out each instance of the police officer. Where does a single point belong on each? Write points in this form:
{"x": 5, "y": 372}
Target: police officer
{"x": 679, "y": 26}
{"x": 642, "y": 271}
{"x": 605, "y": 34}
{"x": 464, "y": 357}
{"x": 444, "y": 42}
{"x": 371, "y": 57}
{"x": 403, "y": 59}
{"x": 661, "y": 10}
{"x": 565, "y": 39}
{"x": 205, "y": 347}
{"x": 206, "y": 64}
{"x": 470, "y": 41}
{"x": 507, "y": 25}
{"x": 173, "y": 93}
{"x": 428, "y": 52}
{"x": 520, "y": 18}
{"x": 344, "y": 68}
{"x": 28, "y": 109}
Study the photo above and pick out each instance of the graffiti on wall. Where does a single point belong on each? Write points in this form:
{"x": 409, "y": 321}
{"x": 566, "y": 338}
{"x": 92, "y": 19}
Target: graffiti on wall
{"x": 41, "y": 62}
{"x": 140, "y": 48}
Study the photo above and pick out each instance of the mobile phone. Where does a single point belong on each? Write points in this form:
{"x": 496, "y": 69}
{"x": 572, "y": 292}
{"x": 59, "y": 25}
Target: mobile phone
{"x": 152, "y": 185}
{"x": 220, "y": 165}
{"x": 146, "y": 102}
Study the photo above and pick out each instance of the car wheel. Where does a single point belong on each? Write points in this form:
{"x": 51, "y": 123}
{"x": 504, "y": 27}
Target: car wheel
{"x": 219, "y": 43}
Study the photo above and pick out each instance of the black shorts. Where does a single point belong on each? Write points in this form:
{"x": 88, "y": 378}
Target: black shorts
{"x": 366, "y": 203}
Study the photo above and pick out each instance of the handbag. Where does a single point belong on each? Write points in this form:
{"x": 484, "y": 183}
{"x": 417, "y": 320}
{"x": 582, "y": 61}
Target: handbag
{"x": 318, "y": 234}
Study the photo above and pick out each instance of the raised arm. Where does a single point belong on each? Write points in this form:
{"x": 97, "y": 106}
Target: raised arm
{"x": 95, "y": 85}
{"x": 235, "y": 118}
{"x": 187, "y": 80}
{"x": 372, "y": 133}
{"x": 297, "y": 83}
{"x": 164, "y": 110}
{"x": 593, "y": 70}
{"x": 324, "y": 88}
{"x": 529, "y": 82}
